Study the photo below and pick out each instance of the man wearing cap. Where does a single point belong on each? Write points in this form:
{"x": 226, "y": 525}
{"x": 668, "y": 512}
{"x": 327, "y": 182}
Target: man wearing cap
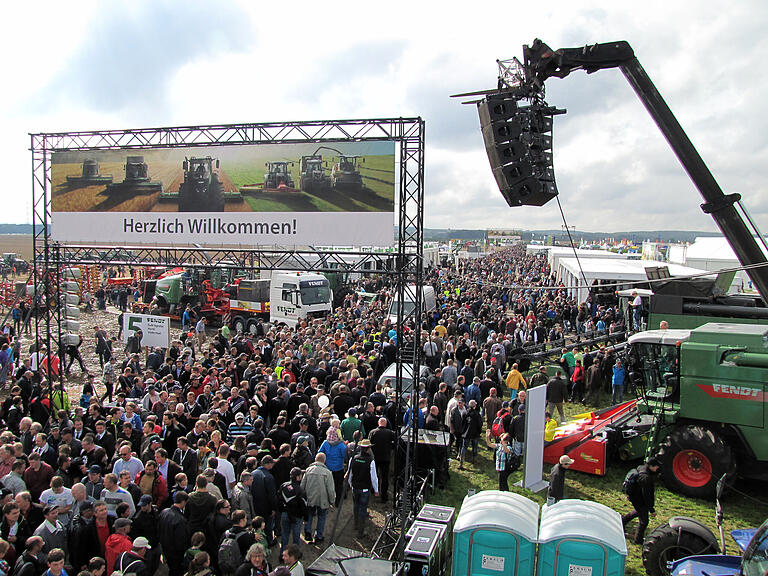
{"x": 641, "y": 493}
{"x": 363, "y": 479}
{"x": 540, "y": 378}
{"x": 557, "y": 479}
{"x": 239, "y": 427}
{"x": 83, "y": 538}
{"x": 92, "y": 482}
{"x": 350, "y": 425}
{"x": 117, "y": 543}
{"x": 133, "y": 560}
{"x": 146, "y": 519}
{"x": 174, "y": 533}
{"x": 303, "y": 432}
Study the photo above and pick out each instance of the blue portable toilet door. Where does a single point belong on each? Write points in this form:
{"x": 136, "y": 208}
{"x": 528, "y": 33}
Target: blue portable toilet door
{"x": 575, "y": 557}
{"x": 491, "y": 553}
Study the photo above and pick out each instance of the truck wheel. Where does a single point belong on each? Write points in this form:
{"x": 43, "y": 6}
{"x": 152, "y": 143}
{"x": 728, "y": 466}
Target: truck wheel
{"x": 251, "y": 326}
{"x": 693, "y": 458}
{"x": 666, "y": 544}
{"x": 238, "y": 325}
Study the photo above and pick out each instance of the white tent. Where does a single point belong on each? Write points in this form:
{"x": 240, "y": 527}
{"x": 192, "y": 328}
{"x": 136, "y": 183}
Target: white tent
{"x": 610, "y": 271}
{"x": 714, "y": 254}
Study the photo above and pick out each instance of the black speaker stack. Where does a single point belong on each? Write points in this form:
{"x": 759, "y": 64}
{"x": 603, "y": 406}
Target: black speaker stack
{"x": 518, "y": 140}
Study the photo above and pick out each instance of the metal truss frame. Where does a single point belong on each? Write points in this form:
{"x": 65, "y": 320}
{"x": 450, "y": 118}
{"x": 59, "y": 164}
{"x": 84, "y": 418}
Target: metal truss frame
{"x": 404, "y": 265}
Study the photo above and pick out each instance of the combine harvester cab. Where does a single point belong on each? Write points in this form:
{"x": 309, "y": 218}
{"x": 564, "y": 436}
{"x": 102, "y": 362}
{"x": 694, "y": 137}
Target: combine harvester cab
{"x": 346, "y": 174}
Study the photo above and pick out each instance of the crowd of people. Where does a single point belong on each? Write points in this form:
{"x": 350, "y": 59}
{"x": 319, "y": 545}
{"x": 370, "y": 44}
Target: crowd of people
{"x": 206, "y": 454}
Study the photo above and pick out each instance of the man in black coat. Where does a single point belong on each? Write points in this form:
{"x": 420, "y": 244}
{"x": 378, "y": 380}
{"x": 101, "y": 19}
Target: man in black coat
{"x": 557, "y": 394}
{"x": 83, "y": 537}
{"x": 471, "y": 428}
{"x": 30, "y": 562}
{"x": 264, "y": 491}
{"x": 642, "y": 495}
{"x": 173, "y": 532}
{"x": 185, "y": 457}
{"x": 557, "y": 479}
{"x": 382, "y": 443}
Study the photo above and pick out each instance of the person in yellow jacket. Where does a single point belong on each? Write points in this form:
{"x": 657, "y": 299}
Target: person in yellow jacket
{"x": 514, "y": 381}
{"x": 549, "y": 427}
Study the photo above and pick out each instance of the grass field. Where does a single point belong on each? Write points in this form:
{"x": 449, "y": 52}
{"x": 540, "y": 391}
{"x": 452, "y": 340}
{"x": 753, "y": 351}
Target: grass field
{"x": 377, "y": 193}
{"x": 740, "y": 511}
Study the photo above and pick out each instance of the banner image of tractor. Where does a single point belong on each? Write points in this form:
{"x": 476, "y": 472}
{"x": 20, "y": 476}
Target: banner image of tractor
{"x": 348, "y": 177}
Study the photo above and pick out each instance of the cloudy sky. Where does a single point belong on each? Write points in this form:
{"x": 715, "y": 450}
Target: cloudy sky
{"x": 112, "y": 65}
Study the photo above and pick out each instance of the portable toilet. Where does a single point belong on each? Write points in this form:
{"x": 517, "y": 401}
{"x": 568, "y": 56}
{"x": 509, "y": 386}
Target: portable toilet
{"x": 581, "y": 538}
{"x": 495, "y": 535}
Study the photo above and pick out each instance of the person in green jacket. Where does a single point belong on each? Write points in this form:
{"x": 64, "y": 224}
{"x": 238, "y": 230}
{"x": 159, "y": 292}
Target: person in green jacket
{"x": 350, "y": 425}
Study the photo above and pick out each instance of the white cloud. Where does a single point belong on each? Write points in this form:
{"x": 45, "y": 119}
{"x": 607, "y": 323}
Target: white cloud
{"x": 80, "y": 66}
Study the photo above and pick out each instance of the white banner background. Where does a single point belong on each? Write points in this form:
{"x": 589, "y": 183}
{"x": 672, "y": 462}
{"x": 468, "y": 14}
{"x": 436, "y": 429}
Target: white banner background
{"x": 226, "y": 228}
{"x": 156, "y": 330}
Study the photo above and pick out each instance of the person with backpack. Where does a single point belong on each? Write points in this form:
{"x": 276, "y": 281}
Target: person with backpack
{"x": 235, "y": 544}
{"x": 132, "y": 561}
{"x": 491, "y": 407}
{"x": 293, "y": 503}
{"x": 639, "y": 486}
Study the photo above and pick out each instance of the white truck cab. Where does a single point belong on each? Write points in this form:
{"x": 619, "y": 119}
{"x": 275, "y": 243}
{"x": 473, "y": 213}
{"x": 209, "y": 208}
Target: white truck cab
{"x": 297, "y": 296}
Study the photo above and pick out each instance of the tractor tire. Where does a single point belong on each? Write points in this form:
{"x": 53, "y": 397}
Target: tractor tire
{"x": 215, "y": 200}
{"x": 693, "y": 458}
{"x": 665, "y": 544}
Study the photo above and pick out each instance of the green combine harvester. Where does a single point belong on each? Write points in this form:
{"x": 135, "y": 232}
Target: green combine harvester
{"x": 703, "y": 392}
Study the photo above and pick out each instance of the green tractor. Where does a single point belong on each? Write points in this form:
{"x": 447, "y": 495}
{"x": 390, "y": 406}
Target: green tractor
{"x": 705, "y": 391}
{"x": 201, "y": 190}
{"x": 313, "y": 179}
{"x": 278, "y": 176}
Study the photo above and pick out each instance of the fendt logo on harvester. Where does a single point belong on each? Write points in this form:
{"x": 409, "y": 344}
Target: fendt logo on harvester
{"x": 733, "y": 392}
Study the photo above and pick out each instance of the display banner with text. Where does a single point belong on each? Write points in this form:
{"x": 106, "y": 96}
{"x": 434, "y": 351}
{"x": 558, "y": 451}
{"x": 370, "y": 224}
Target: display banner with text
{"x": 271, "y": 194}
{"x": 155, "y": 330}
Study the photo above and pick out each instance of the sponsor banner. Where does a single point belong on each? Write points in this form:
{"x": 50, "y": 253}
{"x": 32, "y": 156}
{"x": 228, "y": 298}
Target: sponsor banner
{"x": 270, "y": 194}
{"x": 233, "y": 228}
{"x": 156, "y": 330}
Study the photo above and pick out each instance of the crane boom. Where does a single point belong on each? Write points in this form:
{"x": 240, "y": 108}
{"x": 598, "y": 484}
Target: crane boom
{"x": 541, "y": 63}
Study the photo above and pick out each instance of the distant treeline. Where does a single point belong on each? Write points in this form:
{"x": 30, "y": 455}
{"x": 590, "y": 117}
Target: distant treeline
{"x": 445, "y": 234}
{"x": 15, "y": 228}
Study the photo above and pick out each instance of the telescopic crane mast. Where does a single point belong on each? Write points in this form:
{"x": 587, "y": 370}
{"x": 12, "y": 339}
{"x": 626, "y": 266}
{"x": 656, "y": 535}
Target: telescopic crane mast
{"x": 541, "y": 63}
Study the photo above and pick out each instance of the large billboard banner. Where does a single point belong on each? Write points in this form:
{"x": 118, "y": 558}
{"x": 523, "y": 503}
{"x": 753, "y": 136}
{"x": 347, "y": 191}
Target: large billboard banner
{"x": 270, "y": 194}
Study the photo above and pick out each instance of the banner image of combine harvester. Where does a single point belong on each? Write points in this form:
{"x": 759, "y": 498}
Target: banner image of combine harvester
{"x": 294, "y": 193}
